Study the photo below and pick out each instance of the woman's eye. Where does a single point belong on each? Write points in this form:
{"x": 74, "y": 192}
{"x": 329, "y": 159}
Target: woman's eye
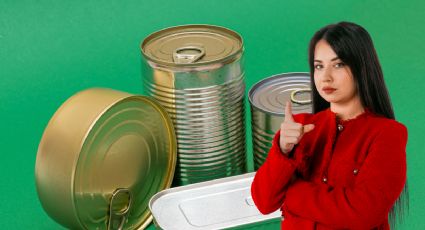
{"x": 339, "y": 65}
{"x": 318, "y": 66}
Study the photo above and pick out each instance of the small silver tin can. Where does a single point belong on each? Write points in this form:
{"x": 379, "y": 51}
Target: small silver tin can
{"x": 267, "y": 99}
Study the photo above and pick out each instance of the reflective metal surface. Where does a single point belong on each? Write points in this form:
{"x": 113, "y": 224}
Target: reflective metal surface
{"x": 268, "y": 98}
{"x": 217, "y": 204}
{"x": 196, "y": 73}
{"x": 102, "y": 156}
{"x": 192, "y": 45}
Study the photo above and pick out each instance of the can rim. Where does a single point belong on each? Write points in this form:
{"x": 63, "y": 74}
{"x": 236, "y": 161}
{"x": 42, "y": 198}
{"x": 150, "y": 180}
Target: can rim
{"x": 183, "y": 26}
{"x": 261, "y": 82}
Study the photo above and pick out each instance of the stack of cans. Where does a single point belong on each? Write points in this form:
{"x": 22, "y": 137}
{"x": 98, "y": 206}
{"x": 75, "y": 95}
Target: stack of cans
{"x": 115, "y": 150}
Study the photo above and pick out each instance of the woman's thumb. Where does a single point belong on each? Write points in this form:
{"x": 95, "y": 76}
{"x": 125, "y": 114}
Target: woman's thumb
{"x": 308, "y": 128}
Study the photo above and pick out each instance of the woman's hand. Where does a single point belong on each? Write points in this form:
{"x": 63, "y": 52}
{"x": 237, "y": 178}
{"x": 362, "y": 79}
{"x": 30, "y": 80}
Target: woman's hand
{"x": 290, "y": 131}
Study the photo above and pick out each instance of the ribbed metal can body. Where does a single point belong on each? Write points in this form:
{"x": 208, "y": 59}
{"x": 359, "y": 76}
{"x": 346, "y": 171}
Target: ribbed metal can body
{"x": 267, "y": 100}
{"x": 204, "y": 97}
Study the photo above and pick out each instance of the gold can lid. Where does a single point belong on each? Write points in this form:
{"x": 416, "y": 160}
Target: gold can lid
{"x": 102, "y": 156}
{"x": 192, "y": 45}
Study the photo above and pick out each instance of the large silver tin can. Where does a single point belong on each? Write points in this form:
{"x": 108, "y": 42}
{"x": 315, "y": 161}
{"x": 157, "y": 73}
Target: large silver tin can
{"x": 267, "y": 99}
{"x": 224, "y": 203}
{"x": 196, "y": 72}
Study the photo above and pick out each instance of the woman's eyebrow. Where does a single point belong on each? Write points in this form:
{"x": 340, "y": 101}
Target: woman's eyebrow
{"x": 333, "y": 59}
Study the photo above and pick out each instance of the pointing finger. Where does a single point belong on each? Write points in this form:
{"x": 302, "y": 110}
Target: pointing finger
{"x": 288, "y": 112}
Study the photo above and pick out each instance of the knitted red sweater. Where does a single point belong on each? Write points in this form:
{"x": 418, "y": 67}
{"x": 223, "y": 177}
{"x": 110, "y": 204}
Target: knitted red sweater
{"x": 347, "y": 178}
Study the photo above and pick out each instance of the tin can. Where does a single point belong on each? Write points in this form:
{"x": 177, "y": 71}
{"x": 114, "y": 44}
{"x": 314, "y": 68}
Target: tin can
{"x": 267, "y": 99}
{"x": 196, "y": 73}
{"x": 103, "y": 154}
{"x": 224, "y": 203}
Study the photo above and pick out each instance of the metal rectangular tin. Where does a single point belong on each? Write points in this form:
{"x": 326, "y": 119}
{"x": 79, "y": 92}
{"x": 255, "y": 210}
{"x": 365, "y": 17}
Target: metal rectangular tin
{"x": 218, "y": 204}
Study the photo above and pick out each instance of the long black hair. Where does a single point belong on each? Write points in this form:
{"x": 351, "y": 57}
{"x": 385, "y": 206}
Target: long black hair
{"x": 354, "y": 46}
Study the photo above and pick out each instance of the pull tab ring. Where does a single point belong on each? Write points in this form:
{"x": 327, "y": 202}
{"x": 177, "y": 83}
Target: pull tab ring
{"x": 117, "y": 218}
{"x": 298, "y": 91}
{"x": 181, "y": 57}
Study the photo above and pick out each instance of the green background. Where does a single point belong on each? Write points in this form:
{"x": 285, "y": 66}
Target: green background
{"x": 50, "y": 50}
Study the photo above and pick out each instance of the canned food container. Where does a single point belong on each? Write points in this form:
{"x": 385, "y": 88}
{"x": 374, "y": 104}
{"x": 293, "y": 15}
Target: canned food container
{"x": 267, "y": 99}
{"x": 103, "y": 154}
{"x": 196, "y": 73}
{"x": 224, "y": 203}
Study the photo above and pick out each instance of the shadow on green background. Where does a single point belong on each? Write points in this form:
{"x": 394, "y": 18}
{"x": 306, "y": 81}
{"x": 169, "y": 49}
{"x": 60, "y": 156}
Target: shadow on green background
{"x": 50, "y": 50}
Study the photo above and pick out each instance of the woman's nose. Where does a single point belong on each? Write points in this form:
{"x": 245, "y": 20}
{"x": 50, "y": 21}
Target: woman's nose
{"x": 327, "y": 75}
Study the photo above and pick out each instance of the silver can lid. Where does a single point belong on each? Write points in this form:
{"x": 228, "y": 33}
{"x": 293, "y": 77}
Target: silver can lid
{"x": 216, "y": 204}
{"x": 192, "y": 45}
{"x": 271, "y": 94}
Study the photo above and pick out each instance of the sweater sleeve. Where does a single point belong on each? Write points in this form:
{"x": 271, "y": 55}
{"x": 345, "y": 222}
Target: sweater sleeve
{"x": 270, "y": 182}
{"x": 366, "y": 204}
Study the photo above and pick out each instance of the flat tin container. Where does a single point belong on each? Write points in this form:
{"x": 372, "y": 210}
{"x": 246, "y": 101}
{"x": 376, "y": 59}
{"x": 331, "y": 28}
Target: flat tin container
{"x": 196, "y": 72}
{"x": 103, "y": 154}
{"x": 267, "y": 99}
{"x": 217, "y": 204}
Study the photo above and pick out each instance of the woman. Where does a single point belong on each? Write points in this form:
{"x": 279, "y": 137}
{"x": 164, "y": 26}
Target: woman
{"x": 344, "y": 166}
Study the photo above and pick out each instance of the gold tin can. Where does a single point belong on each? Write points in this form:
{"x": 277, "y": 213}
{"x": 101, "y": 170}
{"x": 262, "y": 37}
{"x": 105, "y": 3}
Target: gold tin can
{"x": 196, "y": 72}
{"x": 103, "y": 154}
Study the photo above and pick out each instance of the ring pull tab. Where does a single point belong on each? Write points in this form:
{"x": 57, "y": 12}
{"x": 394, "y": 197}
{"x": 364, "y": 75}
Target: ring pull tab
{"x": 249, "y": 201}
{"x": 188, "y": 54}
{"x": 119, "y": 207}
{"x": 301, "y": 102}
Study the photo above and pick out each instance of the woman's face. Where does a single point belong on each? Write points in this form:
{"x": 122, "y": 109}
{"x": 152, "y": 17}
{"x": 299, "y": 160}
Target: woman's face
{"x": 334, "y": 80}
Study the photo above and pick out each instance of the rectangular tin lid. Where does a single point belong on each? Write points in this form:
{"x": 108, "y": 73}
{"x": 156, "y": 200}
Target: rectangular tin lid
{"x": 217, "y": 204}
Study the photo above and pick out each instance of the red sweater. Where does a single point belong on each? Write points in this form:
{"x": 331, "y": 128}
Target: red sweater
{"x": 346, "y": 179}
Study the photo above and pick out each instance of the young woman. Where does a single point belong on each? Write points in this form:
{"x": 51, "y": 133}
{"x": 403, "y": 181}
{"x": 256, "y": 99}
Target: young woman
{"x": 344, "y": 166}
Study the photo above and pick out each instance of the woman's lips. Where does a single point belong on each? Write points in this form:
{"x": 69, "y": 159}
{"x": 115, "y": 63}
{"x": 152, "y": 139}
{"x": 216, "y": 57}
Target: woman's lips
{"x": 328, "y": 90}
